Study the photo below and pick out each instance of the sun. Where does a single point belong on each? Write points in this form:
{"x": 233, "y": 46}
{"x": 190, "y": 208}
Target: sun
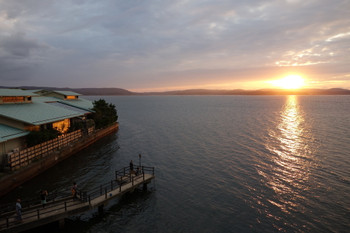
{"x": 289, "y": 82}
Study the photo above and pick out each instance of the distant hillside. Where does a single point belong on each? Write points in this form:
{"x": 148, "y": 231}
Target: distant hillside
{"x": 119, "y": 91}
{"x": 334, "y": 91}
{"x": 103, "y": 91}
{"x": 83, "y": 91}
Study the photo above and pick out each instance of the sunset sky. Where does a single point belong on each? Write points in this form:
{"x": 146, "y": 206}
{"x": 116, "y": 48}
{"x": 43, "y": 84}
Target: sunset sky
{"x": 156, "y": 45}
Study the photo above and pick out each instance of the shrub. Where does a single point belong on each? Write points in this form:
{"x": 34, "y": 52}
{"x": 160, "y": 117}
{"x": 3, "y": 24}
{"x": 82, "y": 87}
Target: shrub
{"x": 37, "y": 137}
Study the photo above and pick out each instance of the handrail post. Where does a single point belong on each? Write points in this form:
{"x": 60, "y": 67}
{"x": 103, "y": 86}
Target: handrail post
{"x": 38, "y": 211}
{"x": 120, "y": 187}
{"x": 89, "y": 200}
{"x": 100, "y": 189}
{"x": 143, "y": 176}
{"x": 132, "y": 181}
{"x": 111, "y": 185}
{"x": 106, "y": 192}
{"x": 65, "y": 206}
{"x": 7, "y": 222}
{"x": 116, "y": 175}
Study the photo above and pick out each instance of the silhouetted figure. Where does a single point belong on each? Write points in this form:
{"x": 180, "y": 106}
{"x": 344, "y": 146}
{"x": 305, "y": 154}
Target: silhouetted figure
{"x": 43, "y": 195}
{"x": 131, "y": 166}
{"x": 74, "y": 190}
{"x": 19, "y": 209}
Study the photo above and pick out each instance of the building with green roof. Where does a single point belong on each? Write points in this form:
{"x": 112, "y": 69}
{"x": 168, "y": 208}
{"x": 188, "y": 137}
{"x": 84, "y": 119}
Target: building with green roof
{"x": 22, "y": 111}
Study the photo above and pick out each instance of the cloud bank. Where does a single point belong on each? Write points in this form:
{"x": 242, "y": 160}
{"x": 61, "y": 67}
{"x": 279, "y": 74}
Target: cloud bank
{"x": 155, "y": 45}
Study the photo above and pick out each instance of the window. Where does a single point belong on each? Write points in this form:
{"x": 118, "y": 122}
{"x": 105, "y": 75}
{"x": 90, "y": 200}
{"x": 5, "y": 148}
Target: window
{"x": 62, "y": 126}
{"x": 71, "y": 97}
{"x": 12, "y": 99}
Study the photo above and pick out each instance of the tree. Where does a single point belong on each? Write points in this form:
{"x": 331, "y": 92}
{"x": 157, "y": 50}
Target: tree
{"x": 104, "y": 114}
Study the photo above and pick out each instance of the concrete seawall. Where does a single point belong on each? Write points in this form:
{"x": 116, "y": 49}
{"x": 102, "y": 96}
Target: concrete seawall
{"x": 12, "y": 180}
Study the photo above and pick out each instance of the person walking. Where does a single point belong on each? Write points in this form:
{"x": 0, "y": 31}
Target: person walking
{"x": 19, "y": 209}
{"x": 43, "y": 195}
{"x": 74, "y": 190}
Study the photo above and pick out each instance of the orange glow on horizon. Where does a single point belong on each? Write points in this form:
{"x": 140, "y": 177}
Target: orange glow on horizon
{"x": 289, "y": 82}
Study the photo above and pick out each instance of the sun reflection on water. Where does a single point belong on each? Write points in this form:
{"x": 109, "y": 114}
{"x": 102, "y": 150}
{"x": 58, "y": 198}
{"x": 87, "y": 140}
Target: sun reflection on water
{"x": 287, "y": 171}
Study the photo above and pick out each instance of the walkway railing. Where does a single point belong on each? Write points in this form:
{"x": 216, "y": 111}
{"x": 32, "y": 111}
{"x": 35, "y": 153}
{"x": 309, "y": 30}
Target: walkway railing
{"x": 122, "y": 177}
{"x": 33, "y": 210}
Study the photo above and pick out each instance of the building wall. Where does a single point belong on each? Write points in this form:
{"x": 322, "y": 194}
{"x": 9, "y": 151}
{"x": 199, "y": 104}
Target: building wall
{"x": 8, "y": 146}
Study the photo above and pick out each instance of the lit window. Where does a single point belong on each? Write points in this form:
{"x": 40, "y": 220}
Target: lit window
{"x": 62, "y": 126}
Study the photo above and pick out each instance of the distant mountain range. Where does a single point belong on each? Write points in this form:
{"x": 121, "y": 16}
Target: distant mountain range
{"x": 120, "y": 91}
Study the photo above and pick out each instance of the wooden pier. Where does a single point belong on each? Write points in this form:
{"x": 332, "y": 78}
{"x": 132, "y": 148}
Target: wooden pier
{"x": 62, "y": 207}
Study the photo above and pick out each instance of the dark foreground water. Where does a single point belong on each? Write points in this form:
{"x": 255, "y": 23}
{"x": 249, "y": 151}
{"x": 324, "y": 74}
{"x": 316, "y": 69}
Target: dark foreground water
{"x": 223, "y": 164}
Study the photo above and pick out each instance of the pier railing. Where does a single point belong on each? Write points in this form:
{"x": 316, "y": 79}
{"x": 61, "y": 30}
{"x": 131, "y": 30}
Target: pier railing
{"x": 32, "y": 209}
{"x": 122, "y": 177}
{"x": 37, "y": 212}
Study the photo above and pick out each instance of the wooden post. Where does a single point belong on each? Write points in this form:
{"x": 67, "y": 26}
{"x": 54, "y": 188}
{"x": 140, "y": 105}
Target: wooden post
{"x": 7, "y": 222}
{"x": 132, "y": 181}
{"x": 116, "y": 175}
{"x": 120, "y": 187}
{"x": 89, "y": 200}
{"x": 111, "y": 185}
{"x": 106, "y": 192}
{"x": 27, "y": 157}
{"x": 19, "y": 158}
{"x": 65, "y": 206}
{"x": 38, "y": 213}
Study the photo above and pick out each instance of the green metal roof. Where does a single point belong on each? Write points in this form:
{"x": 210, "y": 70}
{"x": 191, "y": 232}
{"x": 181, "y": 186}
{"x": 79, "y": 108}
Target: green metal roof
{"x": 79, "y": 103}
{"x": 8, "y": 133}
{"x": 38, "y": 112}
{"x": 16, "y": 92}
{"x": 66, "y": 92}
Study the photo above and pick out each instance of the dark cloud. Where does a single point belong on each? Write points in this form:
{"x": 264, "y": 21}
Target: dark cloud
{"x": 17, "y": 46}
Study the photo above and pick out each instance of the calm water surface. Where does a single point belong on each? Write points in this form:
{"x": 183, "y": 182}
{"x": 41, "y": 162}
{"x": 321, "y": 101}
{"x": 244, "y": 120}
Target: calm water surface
{"x": 223, "y": 164}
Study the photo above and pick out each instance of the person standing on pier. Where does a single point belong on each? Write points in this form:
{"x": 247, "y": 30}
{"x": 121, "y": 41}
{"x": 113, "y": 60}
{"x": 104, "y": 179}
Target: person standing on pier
{"x": 74, "y": 190}
{"x": 131, "y": 166}
{"x": 43, "y": 195}
{"x": 19, "y": 209}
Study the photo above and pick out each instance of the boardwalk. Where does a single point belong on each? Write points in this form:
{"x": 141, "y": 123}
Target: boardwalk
{"x": 64, "y": 207}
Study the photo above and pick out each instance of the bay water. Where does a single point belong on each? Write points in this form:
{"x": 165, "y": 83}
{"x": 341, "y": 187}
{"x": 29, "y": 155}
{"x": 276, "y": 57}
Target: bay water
{"x": 222, "y": 164}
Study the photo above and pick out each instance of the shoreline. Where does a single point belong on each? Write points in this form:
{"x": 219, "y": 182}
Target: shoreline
{"x": 9, "y": 181}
